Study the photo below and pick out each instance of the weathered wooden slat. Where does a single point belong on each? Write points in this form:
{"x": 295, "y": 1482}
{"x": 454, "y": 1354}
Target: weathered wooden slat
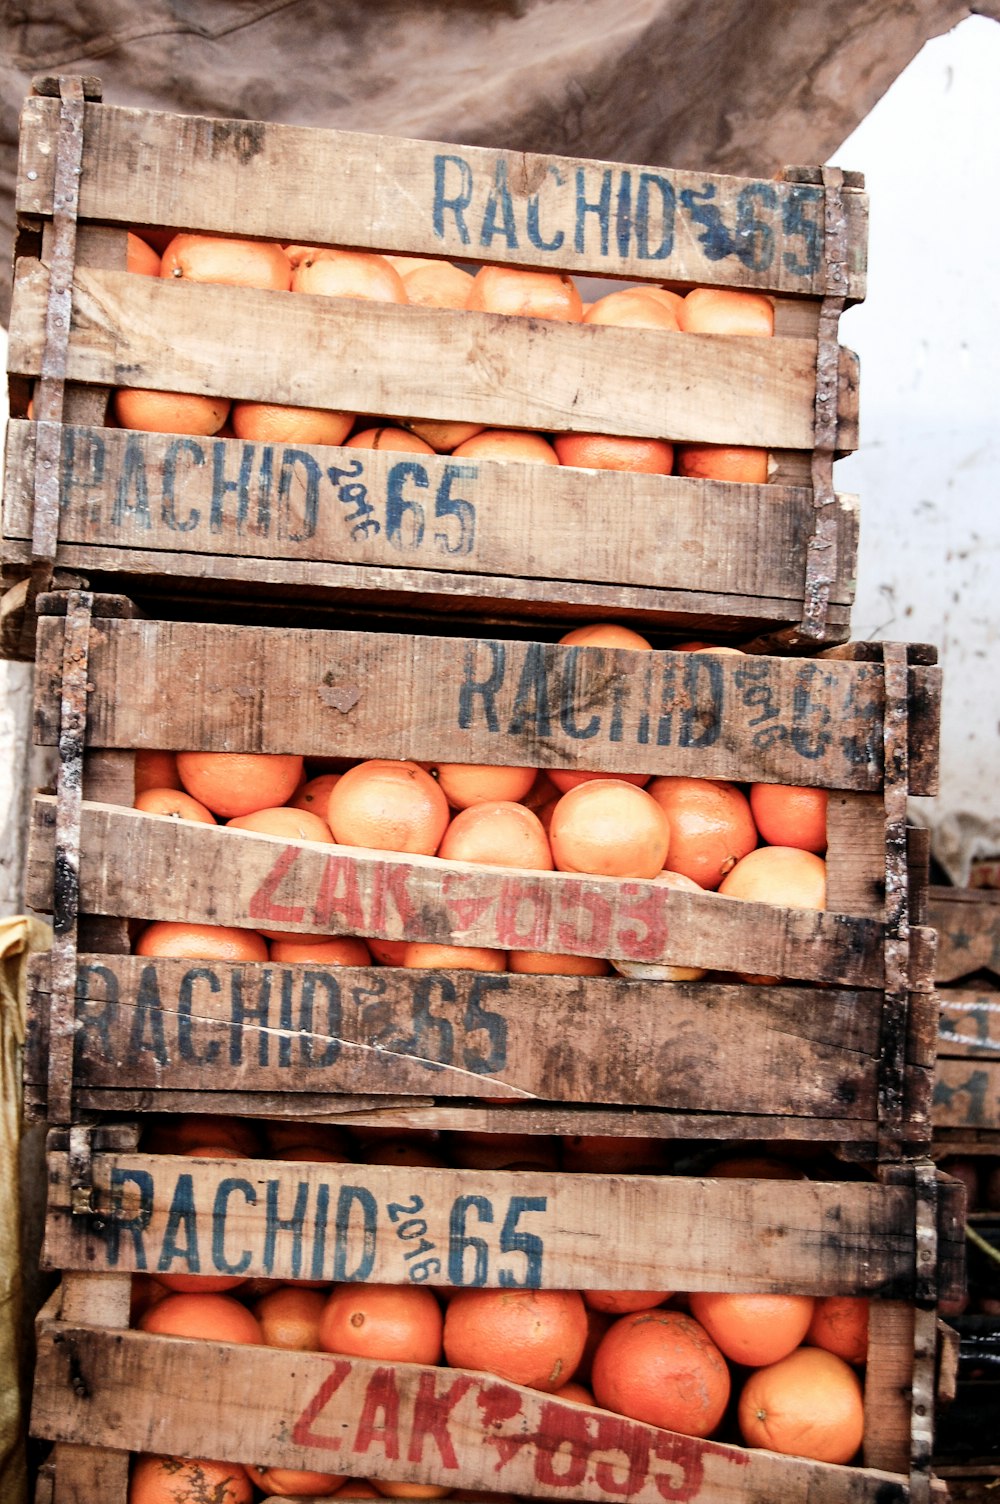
{"x": 198, "y": 1026}
{"x": 148, "y": 866}
{"x": 967, "y": 1094}
{"x": 970, "y": 1023}
{"x": 292, "y": 183}
{"x": 800, "y": 721}
{"x": 567, "y": 1231}
{"x": 165, "y": 1394}
{"x": 183, "y": 496}
{"x": 411, "y": 362}
{"x": 968, "y": 924}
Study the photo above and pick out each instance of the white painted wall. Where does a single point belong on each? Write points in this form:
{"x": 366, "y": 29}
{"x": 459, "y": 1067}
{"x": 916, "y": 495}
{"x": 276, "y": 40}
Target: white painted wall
{"x": 928, "y": 471}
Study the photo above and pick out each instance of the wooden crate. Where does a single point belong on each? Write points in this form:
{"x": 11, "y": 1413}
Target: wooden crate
{"x": 848, "y": 1061}
{"x": 174, "y": 514}
{"x": 105, "y": 1387}
{"x": 966, "y": 1103}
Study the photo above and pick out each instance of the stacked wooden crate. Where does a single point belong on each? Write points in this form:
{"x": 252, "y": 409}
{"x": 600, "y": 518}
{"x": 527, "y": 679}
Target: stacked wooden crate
{"x": 428, "y": 597}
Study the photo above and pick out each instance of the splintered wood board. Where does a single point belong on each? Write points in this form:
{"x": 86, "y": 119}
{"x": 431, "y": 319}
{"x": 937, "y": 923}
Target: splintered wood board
{"x": 152, "y": 867}
{"x": 147, "y": 503}
{"x": 218, "y": 687}
{"x": 406, "y": 361}
{"x": 292, "y": 183}
{"x": 132, "y": 1391}
{"x": 202, "y": 1027}
{"x": 535, "y": 1229}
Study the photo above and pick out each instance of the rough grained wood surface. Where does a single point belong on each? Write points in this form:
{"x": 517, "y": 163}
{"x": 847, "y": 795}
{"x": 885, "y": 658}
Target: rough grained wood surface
{"x": 191, "y": 1026}
{"x": 396, "y": 519}
{"x": 799, "y": 721}
{"x": 389, "y": 194}
{"x": 318, "y": 1410}
{"x": 391, "y": 361}
{"x": 968, "y": 924}
{"x": 149, "y": 866}
{"x": 538, "y": 1230}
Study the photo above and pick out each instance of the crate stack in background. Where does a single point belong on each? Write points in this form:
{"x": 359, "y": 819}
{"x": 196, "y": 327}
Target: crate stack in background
{"x": 966, "y": 1125}
{"x": 215, "y": 594}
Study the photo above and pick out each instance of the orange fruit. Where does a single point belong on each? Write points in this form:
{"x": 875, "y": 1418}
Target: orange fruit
{"x": 399, "y": 1488}
{"x": 140, "y": 256}
{"x": 426, "y": 955}
{"x": 574, "y": 1394}
{"x": 156, "y": 770}
{"x": 788, "y": 815}
{"x": 507, "y": 444}
{"x": 169, "y": 412}
{"x": 290, "y": 1483}
{"x": 387, "y": 952}
{"x": 530, "y": 1337}
{"x": 384, "y": 805}
{"x": 347, "y": 274}
{"x": 601, "y": 1154}
{"x": 564, "y": 779}
{"x": 809, "y": 1404}
{"x": 443, "y": 435}
{"x": 499, "y": 834}
{"x": 726, "y": 310}
{"x": 622, "y": 1302}
{"x": 840, "y": 1325}
{"x": 177, "y": 1135}
{"x": 314, "y": 1154}
{"x": 475, "y": 1150}
{"x": 200, "y": 942}
{"x": 434, "y": 284}
{"x": 314, "y": 794}
{"x": 660, "y": 970}
{"x": 402, "y": 1151}
{"x": 711, "y": 826}
{"x": 358, "y": 1488}
{"x": 282, "y": 820}
{"x": 633, "y": 308}
{"x": 394, "y": 1323}
{"x": 609, "y": 828}
{"x": 282, "y": 1136}
{"x": 342, "y": 950}
{"x": 465, "y": 783}
{"x": 289, "y": 1317}
{"x": 662, "y": 1367}
{"x": 397, "y": 440}
{"x": 271, "y": 423}
{"x": 182, "y": 1480}
{"x": 238, "y": 263}
{"x": 753, "y": 1329}
{"x": 754, "y": 1167}
{"x": 605, "y": 634}
{"x": 664, "y": 295}
{"x": 598, "y": 1322}
{"x": 545, "y": 963}
{"x": 211, "y": 1317}
{"x": 173, "y": 803}
{"x": 601, "y": 451}
{"x": 539, "y": 295}
{"x": 723, "y": 462}
{"x": 238, "y": 783}
{"x": 778, "y": 874}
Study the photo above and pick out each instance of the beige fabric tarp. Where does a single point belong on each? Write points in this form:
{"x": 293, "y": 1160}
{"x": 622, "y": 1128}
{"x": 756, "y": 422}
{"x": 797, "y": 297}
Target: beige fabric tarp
{"x": 18, "y": 937}
{"x": 744, "y": 86}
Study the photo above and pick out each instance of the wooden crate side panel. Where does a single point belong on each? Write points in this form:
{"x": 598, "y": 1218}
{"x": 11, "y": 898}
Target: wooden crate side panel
{"x": 436, "y": 1425}
{"x": 154, "y": 492}
{"x": 526, "y": 1229}
{"x": 411, "y": 362}
{"x": 761, "y": 719}
{"x": 967, "y": 1094}
{"x": 970, "y": 1023}
{"x": 429, "y": 198}
{"x": 968, "y": 926}
{"x": 151, "y": 867}
{"x": 198, "y": 1027}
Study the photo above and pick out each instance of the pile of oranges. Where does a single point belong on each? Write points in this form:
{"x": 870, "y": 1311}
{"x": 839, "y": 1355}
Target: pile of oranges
{"x": 765, "y": 1370}
{"x": 698, "y": 834}
{"x": 433, "y": 283}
